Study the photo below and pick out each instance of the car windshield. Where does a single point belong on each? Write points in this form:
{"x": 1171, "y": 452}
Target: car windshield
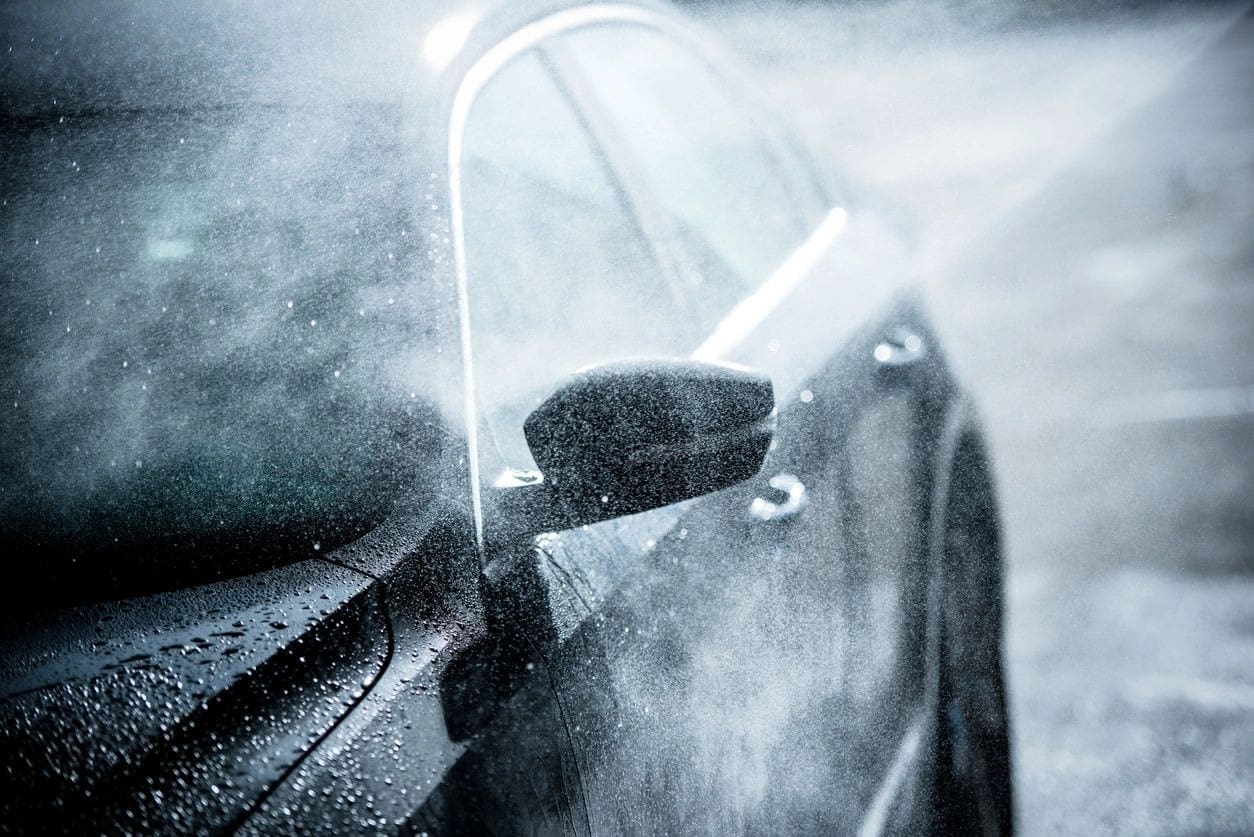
{"x": 215, "y": 328}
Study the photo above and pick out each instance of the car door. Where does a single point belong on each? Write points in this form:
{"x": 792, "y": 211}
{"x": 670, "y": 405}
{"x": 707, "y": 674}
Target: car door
{"x": 750, "y": 660}
{"x": 804, "y": 631}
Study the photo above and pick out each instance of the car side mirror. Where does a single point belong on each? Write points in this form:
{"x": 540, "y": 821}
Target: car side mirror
{"x": 627, "y": 437}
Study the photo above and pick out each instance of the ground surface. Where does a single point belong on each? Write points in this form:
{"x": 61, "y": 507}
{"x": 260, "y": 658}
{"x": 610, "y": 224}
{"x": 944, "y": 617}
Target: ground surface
{"x": 1082, "y": 191}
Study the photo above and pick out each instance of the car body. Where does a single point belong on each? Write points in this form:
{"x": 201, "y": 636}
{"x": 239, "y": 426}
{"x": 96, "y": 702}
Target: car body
{"x": 294, "y": 559}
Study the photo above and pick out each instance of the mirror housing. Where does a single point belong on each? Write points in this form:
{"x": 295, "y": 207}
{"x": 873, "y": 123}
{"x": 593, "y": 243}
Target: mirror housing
{"x": 626, "y": 437}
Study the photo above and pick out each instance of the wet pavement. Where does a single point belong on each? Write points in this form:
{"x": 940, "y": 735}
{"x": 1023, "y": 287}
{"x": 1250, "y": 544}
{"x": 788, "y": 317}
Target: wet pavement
{"x": 1081, "y": 188}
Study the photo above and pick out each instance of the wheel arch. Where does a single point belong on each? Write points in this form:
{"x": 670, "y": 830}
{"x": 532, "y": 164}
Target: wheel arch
{"x": 965, "y": 553}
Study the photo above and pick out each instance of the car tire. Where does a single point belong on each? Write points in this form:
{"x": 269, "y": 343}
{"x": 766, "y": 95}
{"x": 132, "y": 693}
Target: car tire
{"x": 972, "y": 788}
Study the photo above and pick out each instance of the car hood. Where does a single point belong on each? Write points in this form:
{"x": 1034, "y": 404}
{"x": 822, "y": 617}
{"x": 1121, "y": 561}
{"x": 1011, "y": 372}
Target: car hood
{"x": 181, "y": 710}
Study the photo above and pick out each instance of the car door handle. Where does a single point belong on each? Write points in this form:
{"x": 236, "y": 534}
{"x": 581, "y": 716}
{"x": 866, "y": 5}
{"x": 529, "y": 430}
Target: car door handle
{"x": 790, "y": 500}
{"x": 899, "y": 347}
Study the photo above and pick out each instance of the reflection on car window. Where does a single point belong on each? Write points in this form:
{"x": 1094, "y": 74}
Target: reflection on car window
{"x": 212, "y": 329}
{"x": 559, "y": 275}
{"x": 736, "y": 213}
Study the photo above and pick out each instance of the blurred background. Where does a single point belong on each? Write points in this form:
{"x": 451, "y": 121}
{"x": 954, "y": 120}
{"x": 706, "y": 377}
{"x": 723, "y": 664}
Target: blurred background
{"x": 1079, "y": 179}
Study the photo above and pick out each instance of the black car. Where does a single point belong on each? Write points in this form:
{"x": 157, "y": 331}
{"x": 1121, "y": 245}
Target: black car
{"x": 474, "y": 419}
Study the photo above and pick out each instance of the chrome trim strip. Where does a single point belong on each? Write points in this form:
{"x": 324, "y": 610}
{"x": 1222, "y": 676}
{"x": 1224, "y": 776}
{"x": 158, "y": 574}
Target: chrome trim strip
{"x": 875, "y": 821}
{"x": 753, "y": 309}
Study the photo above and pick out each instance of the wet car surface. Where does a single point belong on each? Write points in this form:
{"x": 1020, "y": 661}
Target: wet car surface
{"x": 335, "y": 534}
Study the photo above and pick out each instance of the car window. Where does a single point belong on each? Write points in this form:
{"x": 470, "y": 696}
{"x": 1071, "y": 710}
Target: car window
{"x": 559, "y": 273}
{"x": 214, "y": 327}
{"x": 736, "y": 199}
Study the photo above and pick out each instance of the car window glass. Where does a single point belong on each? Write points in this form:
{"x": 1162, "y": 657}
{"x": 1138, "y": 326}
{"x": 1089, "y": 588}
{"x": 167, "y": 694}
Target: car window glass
{"x": 559, "y": 274}
{"x": 702, "y": 156}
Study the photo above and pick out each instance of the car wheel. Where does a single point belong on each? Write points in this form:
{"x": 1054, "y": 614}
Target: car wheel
{"x": 972, "y": 791}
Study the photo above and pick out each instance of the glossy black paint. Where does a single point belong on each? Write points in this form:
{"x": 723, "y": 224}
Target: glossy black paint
{"x": 627, "y": 437}
{"x": 429, "y": 676}
{"x": 174, "y": 711}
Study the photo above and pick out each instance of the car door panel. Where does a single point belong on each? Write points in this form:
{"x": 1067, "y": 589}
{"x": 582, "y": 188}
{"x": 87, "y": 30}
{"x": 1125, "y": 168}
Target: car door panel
{"x": 747, "y": 669}
{"x": 830, "y": 603}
